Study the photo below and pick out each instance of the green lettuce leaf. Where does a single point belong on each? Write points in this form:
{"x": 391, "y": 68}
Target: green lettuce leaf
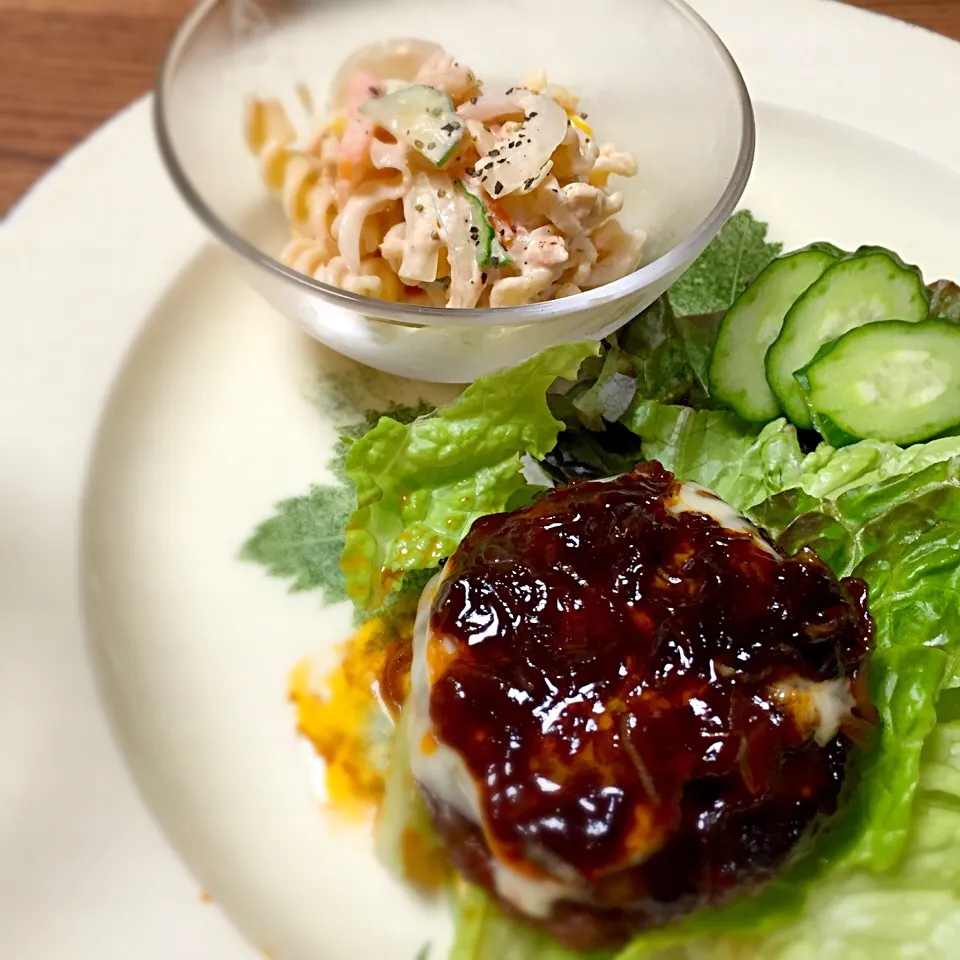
{"x": 745, "y": 464}
{"x": 721, "y": 273}
{"x": 421, "y": 485}
{"x": 484, "y": 933}
{"x": 827, "y": 473}
{"x": 669, "y": 354}
{"x": 741, "y": 463}
{"x": 901, "y": 537}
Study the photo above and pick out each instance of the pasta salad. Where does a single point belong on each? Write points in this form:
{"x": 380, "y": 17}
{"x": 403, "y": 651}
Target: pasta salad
{"x": 422, "y": 188}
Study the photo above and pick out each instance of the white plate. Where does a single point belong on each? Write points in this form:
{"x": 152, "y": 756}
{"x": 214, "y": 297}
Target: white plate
{"x": 104, "y": 276}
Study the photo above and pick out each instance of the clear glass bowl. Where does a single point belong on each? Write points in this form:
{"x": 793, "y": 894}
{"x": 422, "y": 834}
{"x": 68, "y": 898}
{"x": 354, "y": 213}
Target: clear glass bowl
{"x": 653, "y": 77}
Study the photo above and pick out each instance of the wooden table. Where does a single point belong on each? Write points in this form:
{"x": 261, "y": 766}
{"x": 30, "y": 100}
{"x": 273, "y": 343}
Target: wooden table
{"x": 67, "y": 65}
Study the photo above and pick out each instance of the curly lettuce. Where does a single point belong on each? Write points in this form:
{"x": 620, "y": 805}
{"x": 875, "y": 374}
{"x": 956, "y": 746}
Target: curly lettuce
{"x": 421, "y": 485}
{"x": 745, "y": 464}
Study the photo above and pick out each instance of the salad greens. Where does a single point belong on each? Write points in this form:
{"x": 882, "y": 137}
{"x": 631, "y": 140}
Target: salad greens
{"x": 421, "y": 485}
{"x": 883, "y": 879}
{"x": 303, "y": 541}
{"x": 735, "y": 257}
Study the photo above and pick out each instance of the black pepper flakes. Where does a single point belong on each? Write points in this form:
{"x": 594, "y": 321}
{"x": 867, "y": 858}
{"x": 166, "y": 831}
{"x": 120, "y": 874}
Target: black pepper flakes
{"x": 532, "y": 115}
{"x": 470, "y": 171}
{"x": 418, "y": 144}
{"x": 431, "y": 145}
{"x": 483, "y": 278}
{"x": 441, "y": 193}
{"x": 494, "y": 153}
{"x": 418, "y": 207}
{"x": 498, "y": 188}
{"x": 473, "y": 100}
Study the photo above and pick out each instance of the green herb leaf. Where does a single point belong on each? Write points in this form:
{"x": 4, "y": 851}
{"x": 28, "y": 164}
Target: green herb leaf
{"x": 303, "y": 541}
{"x": 421, "y": 486}
{"x": 670, "y": 356}
{"x": 723, "y": 270}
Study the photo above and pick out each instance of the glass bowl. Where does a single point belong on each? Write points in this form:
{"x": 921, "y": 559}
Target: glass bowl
{"x": 652, "y": 75}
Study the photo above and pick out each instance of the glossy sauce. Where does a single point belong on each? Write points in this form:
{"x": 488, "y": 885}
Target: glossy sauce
{"x": 610, "y": 692}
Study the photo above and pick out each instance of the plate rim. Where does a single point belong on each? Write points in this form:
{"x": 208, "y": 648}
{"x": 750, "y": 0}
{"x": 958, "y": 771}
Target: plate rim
{"x": 48, "y": 202}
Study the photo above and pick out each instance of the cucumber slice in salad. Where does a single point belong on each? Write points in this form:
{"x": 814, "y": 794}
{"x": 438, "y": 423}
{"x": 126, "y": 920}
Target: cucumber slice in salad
{"x": 490, "y": 252}
{"x": 872, "y": 285}
{"x": 420, "y": 116}
{"x": 737, "y": 375}
{"x": 892, "y": 380}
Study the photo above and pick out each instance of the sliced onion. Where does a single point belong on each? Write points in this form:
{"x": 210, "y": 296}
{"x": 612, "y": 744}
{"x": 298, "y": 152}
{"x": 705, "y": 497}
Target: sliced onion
{"x": 420, "y": 249}
{"x": 521, "y": 162}
{"x": 454, "y": 218}
{"x": 493, "y": 106}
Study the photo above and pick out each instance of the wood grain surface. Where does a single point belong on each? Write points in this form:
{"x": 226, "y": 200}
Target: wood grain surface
{"x": 68, "y": 65}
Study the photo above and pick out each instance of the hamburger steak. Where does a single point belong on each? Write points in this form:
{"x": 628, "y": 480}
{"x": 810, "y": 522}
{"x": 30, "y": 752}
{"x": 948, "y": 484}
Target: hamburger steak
{"x": 626, "y": 704}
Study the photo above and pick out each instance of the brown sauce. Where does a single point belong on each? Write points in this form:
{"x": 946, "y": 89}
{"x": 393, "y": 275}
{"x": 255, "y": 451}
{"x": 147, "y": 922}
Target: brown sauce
{"x": 610, "y": 692}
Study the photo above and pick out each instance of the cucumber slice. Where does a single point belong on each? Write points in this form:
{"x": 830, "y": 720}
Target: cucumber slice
{"x": 490, "y": 251}
{"x": 891, "y": 380}
{"x": 872, "y": 285}
{"x": 737, "y": 375}
{"x": 420, "y": 116}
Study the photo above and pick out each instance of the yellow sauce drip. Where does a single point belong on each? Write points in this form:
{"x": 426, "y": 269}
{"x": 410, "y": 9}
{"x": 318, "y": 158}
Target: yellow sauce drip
{"x": 335, "y": 718}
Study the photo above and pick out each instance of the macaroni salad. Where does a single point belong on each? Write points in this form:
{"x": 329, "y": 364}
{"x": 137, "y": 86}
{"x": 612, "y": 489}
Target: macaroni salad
{"x": 421, "y": 188}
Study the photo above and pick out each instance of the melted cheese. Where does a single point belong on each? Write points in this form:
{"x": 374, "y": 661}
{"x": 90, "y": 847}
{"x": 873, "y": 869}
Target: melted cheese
{"x": 695, "y": 499}
{"x": 442, "y": 771}
{"x": 818, "y": 708}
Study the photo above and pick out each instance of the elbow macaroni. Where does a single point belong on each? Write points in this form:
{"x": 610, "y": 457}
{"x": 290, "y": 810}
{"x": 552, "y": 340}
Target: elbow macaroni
{"x": 357, "y": 222}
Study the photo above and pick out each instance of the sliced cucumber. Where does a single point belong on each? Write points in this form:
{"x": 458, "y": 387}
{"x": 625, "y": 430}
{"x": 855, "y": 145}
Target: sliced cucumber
{"x": 737, "y": 374}
{"x": 891, "y": 380}
{"x": 490, "y": 251}
{"x": 420, "y": 116}
{"x": 872, "y": 285}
